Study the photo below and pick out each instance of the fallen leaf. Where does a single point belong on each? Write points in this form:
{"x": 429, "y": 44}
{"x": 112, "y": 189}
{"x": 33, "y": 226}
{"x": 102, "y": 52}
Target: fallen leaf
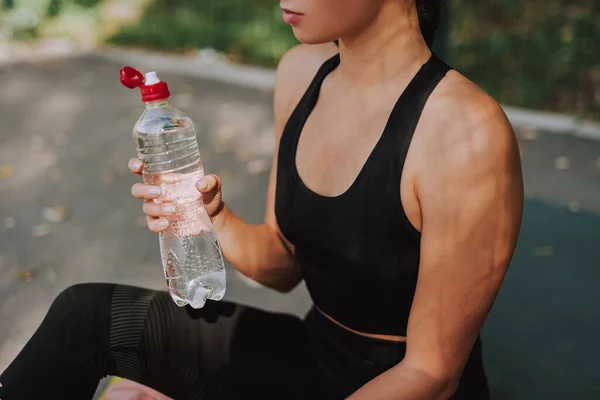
{"x": 56, "y": 214}
{"x": 258, "y": 166}
{"x": 40, "y": 230}
{"x": 108, "y": 176}
{"x": 543, "y": 251}
{"x": 55, "y": 173}
{"x": 574, "y": 206}
{"x": 7, "y": 171}
{"x": 22, "y": 274}
{"x": 9, "y": 222}
{"x": 562, "y": 163}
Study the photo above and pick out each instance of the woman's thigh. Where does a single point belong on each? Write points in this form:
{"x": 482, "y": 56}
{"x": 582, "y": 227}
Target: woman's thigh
{"x": 233, "y": 350}
{"x": 223, "y": 350}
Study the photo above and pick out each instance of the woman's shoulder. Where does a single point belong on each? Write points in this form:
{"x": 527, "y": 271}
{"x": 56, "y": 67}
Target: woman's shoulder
{"x": 296, "y": 70}
{"x": 465, "y": 144}
{"x": 459, "y": 113}
{"x": 299, "y": 65}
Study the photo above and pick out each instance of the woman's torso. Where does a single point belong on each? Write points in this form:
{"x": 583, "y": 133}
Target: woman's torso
{"x": 342, "y": 196}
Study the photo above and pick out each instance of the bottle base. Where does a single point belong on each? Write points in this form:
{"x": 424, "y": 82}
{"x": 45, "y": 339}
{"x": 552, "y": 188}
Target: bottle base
{"x": 201, "y": 295}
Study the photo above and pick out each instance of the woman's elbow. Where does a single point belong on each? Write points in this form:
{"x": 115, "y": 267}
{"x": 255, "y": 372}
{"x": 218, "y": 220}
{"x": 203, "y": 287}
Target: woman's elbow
{"x": 287, "y": 284}
{"x": 282, "y": 283}
{"x": 450, "y": 388}
{"x": 287, "y": 287}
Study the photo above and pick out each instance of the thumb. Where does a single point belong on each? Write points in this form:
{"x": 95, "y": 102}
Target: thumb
{"x": 209, "y": 183}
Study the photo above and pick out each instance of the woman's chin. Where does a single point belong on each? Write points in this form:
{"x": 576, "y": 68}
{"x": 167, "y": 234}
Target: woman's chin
{"x": 307, "y": 38}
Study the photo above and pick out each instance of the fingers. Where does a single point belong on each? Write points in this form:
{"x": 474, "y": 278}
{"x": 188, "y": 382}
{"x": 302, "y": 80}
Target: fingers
{"x": 209, "y": 183}
{"x": 157, "y": 225}
{"x": 135, "y": 166}
{"x": 155, "y": 215}
{"x": 153, "y": 209}
{"x": 145, "y": 192}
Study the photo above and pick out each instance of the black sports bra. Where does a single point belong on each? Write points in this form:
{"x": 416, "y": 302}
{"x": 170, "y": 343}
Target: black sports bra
{"x": 358, "y": 252}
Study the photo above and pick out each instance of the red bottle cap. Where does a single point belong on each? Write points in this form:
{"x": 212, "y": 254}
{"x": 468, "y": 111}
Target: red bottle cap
{"x": 152, "y": 88}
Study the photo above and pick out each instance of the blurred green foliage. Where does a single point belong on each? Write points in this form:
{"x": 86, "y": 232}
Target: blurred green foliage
{"x": 541, "y": 54}
{"x": 247, "y": 30}
{"x": 87, "y": 3}
{"x": 54, "y": 8}
{"x": 28, "y": 20}
{"x": 537, "y": 54}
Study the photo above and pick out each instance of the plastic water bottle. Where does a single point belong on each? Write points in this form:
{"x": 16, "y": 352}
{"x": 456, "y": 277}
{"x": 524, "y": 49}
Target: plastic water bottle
{"x": 166, "y": 144}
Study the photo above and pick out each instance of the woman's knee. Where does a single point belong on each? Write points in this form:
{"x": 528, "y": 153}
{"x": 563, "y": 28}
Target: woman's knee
{"x": 81, "y": 298}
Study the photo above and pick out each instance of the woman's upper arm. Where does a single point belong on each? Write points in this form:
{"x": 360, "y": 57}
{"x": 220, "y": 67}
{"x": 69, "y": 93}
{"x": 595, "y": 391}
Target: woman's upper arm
{"x": 471, "y": 200}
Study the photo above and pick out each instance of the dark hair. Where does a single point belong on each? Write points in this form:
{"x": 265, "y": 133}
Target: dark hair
{"x": 429, "y": 18}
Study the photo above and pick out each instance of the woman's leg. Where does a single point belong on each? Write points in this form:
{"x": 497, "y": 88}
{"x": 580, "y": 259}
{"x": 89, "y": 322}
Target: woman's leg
{"x": 219, "y": 351}
{"x": 69, "y": 350}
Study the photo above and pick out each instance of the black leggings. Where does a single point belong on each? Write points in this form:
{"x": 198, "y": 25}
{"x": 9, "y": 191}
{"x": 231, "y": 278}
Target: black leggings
{"x": 222, "y": 351}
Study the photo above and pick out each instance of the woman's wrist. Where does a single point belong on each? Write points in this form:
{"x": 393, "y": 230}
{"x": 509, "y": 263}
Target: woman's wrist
{"x": 220, "y": 218}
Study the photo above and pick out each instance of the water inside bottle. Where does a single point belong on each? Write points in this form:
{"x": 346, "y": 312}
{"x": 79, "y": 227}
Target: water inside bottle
{"x": 191, "y": 256}
{"x": 193, "y": 268}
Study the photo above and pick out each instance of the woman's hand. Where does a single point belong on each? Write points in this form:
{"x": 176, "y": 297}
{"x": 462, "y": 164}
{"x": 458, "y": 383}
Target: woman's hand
{"x": 157, "y": 213}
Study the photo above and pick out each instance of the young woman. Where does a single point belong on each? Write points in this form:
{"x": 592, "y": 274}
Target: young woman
{"x": 396, "y": 194}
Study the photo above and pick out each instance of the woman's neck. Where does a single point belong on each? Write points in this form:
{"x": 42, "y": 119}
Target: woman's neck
{"x": 390, "y": 47}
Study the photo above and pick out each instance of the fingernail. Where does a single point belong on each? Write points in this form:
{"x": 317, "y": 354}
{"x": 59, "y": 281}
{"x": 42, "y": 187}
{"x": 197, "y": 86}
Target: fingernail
{"x": 155, "y": 190}
{"x": 137, "y": 164}
{"x": 163, "y": 223}
{"x": 202, "y": 185}
{"x": 169, "y": 209}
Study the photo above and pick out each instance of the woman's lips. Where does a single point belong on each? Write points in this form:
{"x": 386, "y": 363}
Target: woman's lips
{"x": 291, "y": 17}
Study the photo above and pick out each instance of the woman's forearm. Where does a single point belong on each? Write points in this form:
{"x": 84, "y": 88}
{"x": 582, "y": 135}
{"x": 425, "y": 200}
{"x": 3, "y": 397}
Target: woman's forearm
{"x": 256, "y": 251}
{"x": 405, "y": 383}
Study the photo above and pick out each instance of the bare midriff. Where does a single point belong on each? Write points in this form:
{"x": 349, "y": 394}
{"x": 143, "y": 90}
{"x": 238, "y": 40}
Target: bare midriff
{"x": 370, "y": 335}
